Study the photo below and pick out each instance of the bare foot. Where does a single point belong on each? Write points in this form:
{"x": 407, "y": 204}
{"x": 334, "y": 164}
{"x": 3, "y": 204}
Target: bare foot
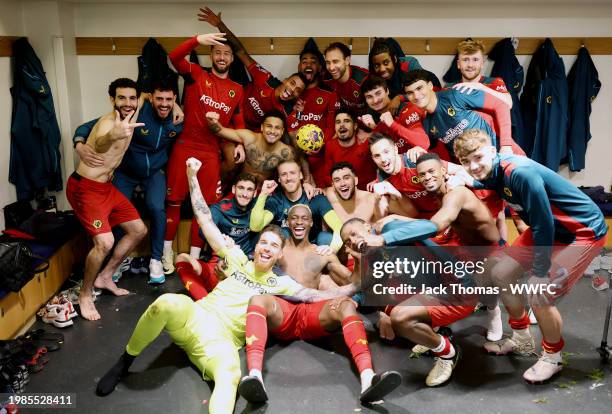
{"x": 88, "y": 309}
{"x": 109, "y": 285}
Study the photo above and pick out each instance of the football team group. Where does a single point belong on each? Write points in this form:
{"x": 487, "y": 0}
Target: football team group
{"x": 290, "y": 180}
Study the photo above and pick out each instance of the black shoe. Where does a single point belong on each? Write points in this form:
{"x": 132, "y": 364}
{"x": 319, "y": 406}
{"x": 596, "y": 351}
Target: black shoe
{"x": 382, "y": 384}
{"x": 252, "y": 389}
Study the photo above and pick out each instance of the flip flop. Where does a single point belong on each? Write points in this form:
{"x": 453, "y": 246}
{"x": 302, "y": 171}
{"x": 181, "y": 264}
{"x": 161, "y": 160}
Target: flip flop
{"x": 252, "y": 389}
{"x": 382, "y": 384}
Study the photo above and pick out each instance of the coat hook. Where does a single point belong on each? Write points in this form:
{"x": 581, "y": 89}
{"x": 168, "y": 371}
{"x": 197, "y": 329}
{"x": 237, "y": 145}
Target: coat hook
{"x": 113, "y": 45}
{"x": 515, "y": 42}
{"x": 582, "y": 43}
{"x": 271, "y": 43}
{"x": 351, "y": 44}
{"x": 428, "y": 45}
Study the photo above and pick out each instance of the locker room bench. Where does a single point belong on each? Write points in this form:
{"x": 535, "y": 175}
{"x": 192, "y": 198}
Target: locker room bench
{"x": 17, "y": 310}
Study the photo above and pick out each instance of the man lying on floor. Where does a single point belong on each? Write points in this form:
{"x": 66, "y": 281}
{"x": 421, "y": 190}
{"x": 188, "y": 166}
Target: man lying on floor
{"x": 212, "y": 330}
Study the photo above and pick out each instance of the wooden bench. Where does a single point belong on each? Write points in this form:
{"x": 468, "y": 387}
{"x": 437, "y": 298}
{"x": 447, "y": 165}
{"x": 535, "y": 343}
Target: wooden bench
{"x": 18, "y": 310}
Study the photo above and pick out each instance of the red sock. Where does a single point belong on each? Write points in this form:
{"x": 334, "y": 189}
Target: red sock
{"x": 520, "y": 323}
{"x": 356, "y": 339}
{"x": 196, "y": 240}
{"x": 553, "y": 348}
{"x": 192, "y": 281}
{"x": 173, "y": 218}
{"x": 446, "y": 352}
{"x": 256, "y": 336}
{"x": 208, "y": 276}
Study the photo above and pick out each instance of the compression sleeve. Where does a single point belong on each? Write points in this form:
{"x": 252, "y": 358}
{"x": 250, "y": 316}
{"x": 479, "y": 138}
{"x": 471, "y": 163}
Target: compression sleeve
{"x": 416, "y": 137}
{"x": 501, "y": 115}
{"x": 259, "y": 216}
{"x": 83, "y": 131}
{"x": 179, "y": 54}
{"x": 529, "y": 188}
{"x": 399, "y": 232}
{"x": 333, "y": 221}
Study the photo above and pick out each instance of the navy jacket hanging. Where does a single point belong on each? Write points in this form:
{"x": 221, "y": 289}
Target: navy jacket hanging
{"x": 452, "y": 75}
{"x": 35, "y": 136}
{"x": 583, "y": 82}
{"x": 544, "y": 107}
{"x": 153, "y": 66}
{"x": 508, "y": 68}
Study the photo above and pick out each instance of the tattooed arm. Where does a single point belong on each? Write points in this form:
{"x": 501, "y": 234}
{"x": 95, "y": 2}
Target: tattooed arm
{"x": 313, "y": 295}
{"x": 239, "y": 136}
{"x": 200, "y": 209}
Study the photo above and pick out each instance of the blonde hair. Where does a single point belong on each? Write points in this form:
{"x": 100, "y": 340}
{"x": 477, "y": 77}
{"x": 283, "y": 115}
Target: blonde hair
{"x": 470, "y": 141}
{"x": 293, "y": 207}
{"x": 469, "y": 47}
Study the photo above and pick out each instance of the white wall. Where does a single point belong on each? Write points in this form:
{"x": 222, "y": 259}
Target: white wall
{"x": 343, "y": 20}
{"x": 79, "y": 83}
{"x": 11, "y": 24}
{"x": 49, "y": 26}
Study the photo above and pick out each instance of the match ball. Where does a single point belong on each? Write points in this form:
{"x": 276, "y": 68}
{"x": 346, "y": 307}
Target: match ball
{"x": 310, "y": 138}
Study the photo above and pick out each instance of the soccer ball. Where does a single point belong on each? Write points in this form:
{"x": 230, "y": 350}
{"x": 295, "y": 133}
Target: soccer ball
{"x": 310, "y": 138}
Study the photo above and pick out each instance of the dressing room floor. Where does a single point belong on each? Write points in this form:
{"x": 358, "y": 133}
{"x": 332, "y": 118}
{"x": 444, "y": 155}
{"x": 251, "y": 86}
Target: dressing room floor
{"x": 319, "y": 377}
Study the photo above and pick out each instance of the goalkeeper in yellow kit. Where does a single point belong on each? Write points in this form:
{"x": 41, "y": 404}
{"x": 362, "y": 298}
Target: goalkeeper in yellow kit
{"x": 211, "y": 330}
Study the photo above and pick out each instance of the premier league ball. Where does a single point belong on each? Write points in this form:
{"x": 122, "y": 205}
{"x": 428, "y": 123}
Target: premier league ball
{"x": 310, "y": 138}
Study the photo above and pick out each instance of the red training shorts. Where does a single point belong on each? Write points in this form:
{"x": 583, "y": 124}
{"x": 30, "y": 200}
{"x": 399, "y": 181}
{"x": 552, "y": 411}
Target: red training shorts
{"x": 208, "y": 176}
{"x": 300, "y": 321}
{"x": 98, "y": 206}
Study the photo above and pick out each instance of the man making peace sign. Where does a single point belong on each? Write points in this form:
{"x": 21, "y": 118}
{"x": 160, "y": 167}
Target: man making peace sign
{"x": 98, "y": 204}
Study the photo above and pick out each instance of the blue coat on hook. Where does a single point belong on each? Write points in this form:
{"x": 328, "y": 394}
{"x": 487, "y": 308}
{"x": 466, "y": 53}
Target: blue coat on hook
{"x": 584, "y": 85}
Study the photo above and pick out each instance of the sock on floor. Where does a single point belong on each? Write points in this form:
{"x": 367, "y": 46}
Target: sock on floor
{"x": 109, "y": 381}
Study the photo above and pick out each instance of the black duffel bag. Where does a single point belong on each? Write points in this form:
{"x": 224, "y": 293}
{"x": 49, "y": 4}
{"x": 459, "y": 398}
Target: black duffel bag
{"x": 17, "y": 265}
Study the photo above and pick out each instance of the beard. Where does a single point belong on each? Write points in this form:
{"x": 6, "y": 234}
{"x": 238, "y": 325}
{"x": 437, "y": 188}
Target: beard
{"x": 219, "y": 70}
{"x": 119, "y": 108}
{"x": 351, "y": 193}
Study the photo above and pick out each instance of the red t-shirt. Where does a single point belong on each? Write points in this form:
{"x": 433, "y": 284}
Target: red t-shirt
{"x": 260, "y": 97}
{"x": 207, "y": 93}
{"x": 406, "y": 130}
{"x": 407, "y": 182}
{"x": 320, "y": 105}
{"x": 349, "y": 92}
{"x": 357, "y": 154}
